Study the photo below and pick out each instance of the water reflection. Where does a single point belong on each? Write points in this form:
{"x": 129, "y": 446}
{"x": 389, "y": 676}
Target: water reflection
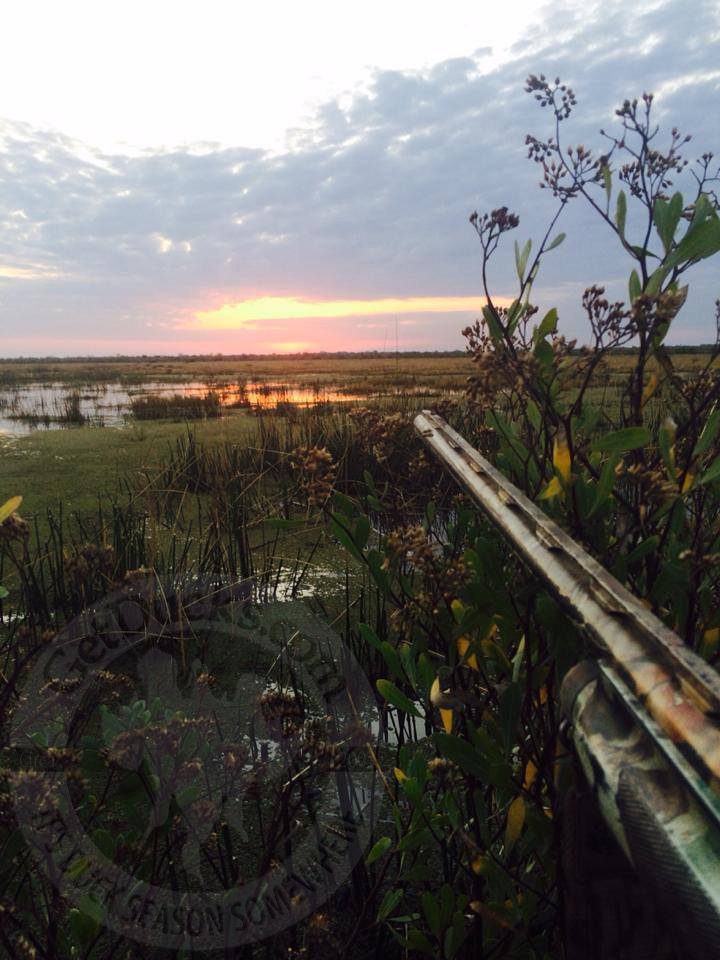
{"x": 57, "y": 405}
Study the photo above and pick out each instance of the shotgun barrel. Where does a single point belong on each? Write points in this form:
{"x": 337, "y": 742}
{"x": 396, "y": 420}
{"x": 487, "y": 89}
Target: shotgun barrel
{"x": 643, "y": 715}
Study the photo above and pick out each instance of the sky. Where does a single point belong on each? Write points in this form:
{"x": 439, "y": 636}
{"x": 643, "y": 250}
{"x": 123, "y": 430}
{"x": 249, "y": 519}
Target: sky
{"x": 278, "y": 177}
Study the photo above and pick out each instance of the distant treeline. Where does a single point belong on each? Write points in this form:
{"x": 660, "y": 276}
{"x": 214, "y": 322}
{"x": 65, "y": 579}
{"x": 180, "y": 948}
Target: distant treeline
{"x": 205, "y": 357}
{"x": 676, "y": 348}
{"x": 700, "y": 348}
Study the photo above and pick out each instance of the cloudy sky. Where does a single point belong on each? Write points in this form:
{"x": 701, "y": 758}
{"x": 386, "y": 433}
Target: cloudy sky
{"x": 202, "y": 177}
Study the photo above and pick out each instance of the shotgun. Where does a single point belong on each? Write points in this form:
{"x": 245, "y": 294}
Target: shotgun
{"x": 641, "y": 826}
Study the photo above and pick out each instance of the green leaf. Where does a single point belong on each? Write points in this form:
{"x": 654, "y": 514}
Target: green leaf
{"x": 621, "y": 440}
{"x": 521, "y": 258}
{"x": 340, "y": 532}
{"x": 605, "y": 484}
{"x": 344, "y": 504}
{"x": 557, "y": 241}
{"x": 708, "y": 435}
{"x": 703, "y": 209}
{"x": 700, "y": 241}
{"x": 370, "y": 482}
{"x": 642, "y": 550}
{"x": 660, "y": 217}
{"x": 666, "y": 215}
{"x": 91, "y": 908}
{"x": 634, "y": 288}
{"x": 510, "y": 703}
{"x": 391, "y": 899}
{"x": 454, "y": 936}
{"x": 105, "y": 842}
{"x": 378, "y": 850}
{"x": 533, "y": 414}
{"x": 513, "y": 314}
{"x": 93, "y": 760}
{"x": 282, "y": 523}
{"x": 86, "y": 922}
{"x": 493, "y": 324}
{"x": 83, "y": 929}
{"x": 388, "y": 691}
{"x": 417, "y": 941}
{"x": 187, "y": 796}
{"x": 712, "y": 473}
{"x": 369, "y": 636}
{"x": 362, "y": 532}
{"x": 77, "y": 868}
{"x": 4, "y": 592}
{"x": 391, "y": 658}
{"x": 432, "y": 912}
{"x": 376, "y": 562}
{"x": 665, "y": 444}
{"x": 414, "y": 839}
{"x": 544, "y": 353}
{"x": 447, "y": 902}
{"x": 463, "y": 754}
{"x": 621, "y": 213}
{"x": 385, "y": 649}
{"x": 607, "y": 182}
{"x": 548, "y": 324}
{"x": 654, "y": 284}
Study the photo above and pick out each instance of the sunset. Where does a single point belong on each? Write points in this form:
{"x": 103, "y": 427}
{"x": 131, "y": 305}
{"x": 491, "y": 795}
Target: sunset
{"x": 137, "y": 211}
{"x": 360, "y": 480}
{"x": 279, "y": 316}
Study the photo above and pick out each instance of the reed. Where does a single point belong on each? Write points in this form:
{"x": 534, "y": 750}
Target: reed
{"x": 176, "y": 407}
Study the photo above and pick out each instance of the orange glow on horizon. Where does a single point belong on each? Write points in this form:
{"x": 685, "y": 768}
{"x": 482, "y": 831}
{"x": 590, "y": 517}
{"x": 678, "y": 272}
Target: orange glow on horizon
{"x": 246, "y": 314}
{"x": 291, "y": 346}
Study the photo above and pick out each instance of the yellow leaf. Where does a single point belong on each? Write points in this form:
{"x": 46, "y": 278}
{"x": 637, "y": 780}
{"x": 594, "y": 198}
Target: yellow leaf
{"x": 9, "y": 507}
{"x": 650, "y": 387}
{"x": 458, "y": 608}
{"x": 447, "y": 719}
{"x": 462, "y": 646}
{"x": 399, "y": 775}
{"x": 561, "y": 457}
{"x": 553, "y": 489}
{"x": 515, "y": 821}
{"x": 480, "y": 865}
{"x": 435, "y": 692}
{"x": 494, "y": 916}
{"x": 491, "y": 649}
{"x": 687, "y": 482}
{"x": 709, "y": 643}
{"x": 530, "y": 775}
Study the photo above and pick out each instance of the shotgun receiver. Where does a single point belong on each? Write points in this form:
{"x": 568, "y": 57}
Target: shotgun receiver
{"x": 641, "y": 827}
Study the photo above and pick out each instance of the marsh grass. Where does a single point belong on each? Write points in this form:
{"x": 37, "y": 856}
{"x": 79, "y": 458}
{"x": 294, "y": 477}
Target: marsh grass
{"x": 65, "y": 410}
{"x": 176, "y": 407}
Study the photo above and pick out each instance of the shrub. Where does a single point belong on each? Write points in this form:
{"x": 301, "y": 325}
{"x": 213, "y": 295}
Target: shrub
{"x": 475, "y": 648}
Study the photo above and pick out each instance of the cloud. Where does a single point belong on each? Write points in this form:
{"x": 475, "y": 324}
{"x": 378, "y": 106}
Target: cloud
{"x": 369, "y": 202}
{"x": 250, "y": 314}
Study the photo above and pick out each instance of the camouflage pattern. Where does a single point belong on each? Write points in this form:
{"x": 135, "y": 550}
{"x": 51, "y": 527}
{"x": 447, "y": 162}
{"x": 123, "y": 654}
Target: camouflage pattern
{"x": 663, "y": 817}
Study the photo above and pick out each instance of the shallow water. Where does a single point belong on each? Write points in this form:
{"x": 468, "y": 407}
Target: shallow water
{"x": 42, "y": 406}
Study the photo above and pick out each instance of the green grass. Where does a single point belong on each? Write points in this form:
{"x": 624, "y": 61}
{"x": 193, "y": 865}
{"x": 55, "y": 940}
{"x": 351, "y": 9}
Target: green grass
{"x": 77, "y": 466}
{"x": 350, "y": 373}
{"x": 176, "y": 407}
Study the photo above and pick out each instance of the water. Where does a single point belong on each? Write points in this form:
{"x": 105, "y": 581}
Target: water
{"x": 45, "y": 405}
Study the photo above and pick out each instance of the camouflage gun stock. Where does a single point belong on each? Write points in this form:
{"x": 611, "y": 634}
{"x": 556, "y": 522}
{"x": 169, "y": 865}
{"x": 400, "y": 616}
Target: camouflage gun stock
{"x": 644, "y": 721}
